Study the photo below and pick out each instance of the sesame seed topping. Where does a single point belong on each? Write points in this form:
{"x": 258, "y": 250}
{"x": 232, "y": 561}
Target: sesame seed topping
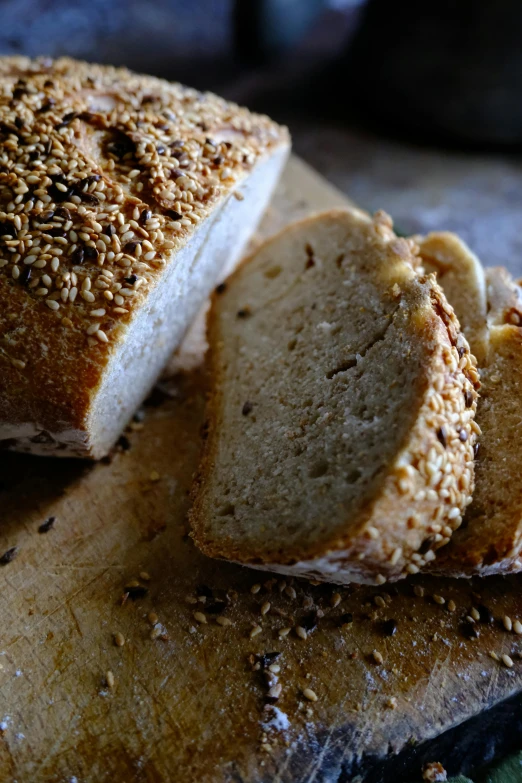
{"x": 506, "y": 621}
{"x": 109, "y": 678}
{"x": 119, "y": 639}
{"x": 309, "y": 694}
{"x": 377, "y": 657}
{"x": 301, "y": 632}
{"x": 517, "y": 627}
{"x": 255, "y": 631}
{"x": 200, "y": 618}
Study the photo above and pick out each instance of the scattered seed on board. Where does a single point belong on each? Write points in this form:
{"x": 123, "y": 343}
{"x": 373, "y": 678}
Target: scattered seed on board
{"x": 119, "y": 639}
{"x": 200, "y": 617}
{"x": 309, "y": 694}
{"x": 507, "y": 661}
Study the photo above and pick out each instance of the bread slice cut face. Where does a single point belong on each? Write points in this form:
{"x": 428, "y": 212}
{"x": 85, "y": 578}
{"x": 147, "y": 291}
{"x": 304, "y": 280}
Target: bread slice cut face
{"x": 340, "y": 418}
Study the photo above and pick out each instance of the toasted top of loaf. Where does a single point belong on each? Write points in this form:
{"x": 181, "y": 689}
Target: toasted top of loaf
{"x": 341, "y": 426}
{"x": 461, "y": 275}
{"x": 104, "y": 175}
{"x": 490, "y": 539}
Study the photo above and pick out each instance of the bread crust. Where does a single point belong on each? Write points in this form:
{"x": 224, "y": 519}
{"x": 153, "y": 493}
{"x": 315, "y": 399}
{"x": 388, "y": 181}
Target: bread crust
{"x": 417, "y": 509}
{"x": 104, "y": 176}
{"x": 490, "y": 541}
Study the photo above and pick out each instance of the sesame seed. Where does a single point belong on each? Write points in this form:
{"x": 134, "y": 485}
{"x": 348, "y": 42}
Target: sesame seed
{"x": 283, "y": 632}
{"x": 109, "y": 677}
{"x": 309, "y": 694}
{"x": 153, "y": 618}
{"x": 200, "y": 618}
{"x": 119, "y": 639}
{"x": 396, "y": 555}
{"x": 507, "y": 661}
{"x": 52, "y": 304}
{"x": 475, "y": 614}
{"x": 224, "y": 621}
{"x": 506, "y": 621}
{"x": 255, "y": 631}
{"x": 391, "y": 702}
{"x": 379, "y": 601}
{"x": 102, "y": 337}
{"x": 255, "y": 589}
{"x": 419, "y": 591}
{"x": 377, "y": 657}
{"x": 265, "y": 608}
{"x": 517, "y": 627}
{"x": 439, "y": 599}
{"x": 335, "y": 600}
{"x": 301, "y": 632}
{"x": 380, "y": 579}
{"x": 452, "y": 605}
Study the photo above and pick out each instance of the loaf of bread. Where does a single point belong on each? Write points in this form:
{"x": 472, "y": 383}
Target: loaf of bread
{"x": 340, "y": 420}
{"x": 490, "y": 538}
{"x": 122, "y": 198}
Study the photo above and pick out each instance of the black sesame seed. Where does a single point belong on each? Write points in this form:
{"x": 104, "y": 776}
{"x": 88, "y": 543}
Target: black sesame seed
{"x": 78, "y": 256}
{"x": 247, "y": 408}
{"x": 9, "y": 556}
{"x": 67, "y": 119}
{"x": 244, "y": 313}
{"x": 442, "y": 436}
{"x": 131, "y": 280}
{"x": 90, "y": 253}
{"x": 174, "y": 215}
{"x": 109, "y": 230}
{"x": 476, "y": 450}
{"x": 176, "y": 173}
{"x": 130, "y": 247}
{"x": 221, "y": 288}
{"x": 47, "y": 525}
{"x": 145, "y": 215}
{"x": 160, "y": 149}
{"x": 63, "y": 213}
{"x": 47, "y": 106}
{"x": 56, "y": 232}
{"x": 88, "y": 198}
{"x": 19, "y": 123}
{"x": 468, "y": 398}
{"x": 389, "y": 627}
{"x": 463, "y": 436}
{"x": 218, "y": 160}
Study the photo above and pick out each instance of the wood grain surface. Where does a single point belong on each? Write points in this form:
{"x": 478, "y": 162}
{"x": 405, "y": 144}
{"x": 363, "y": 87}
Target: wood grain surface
{"x": 184, "y": 700}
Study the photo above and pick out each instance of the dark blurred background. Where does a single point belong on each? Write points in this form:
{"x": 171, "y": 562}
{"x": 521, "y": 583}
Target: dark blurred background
{"x": 414, "y": 107}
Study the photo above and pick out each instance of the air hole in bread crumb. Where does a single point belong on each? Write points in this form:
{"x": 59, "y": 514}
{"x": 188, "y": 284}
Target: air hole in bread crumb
{"x": 227, "y": 510}
{"x": 353, "y": 476}
{"x": 292, "y": 343}
{"x": 347, "y": 365}
{"x": 274, "y": 271}
{"x": 319, "y": 469}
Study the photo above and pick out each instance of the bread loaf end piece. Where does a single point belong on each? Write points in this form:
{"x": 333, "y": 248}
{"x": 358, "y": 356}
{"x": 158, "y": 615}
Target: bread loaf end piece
{"x": 341, "y": 433}
{"x": 122, "y": 199}
{"x": 490, "y": 539}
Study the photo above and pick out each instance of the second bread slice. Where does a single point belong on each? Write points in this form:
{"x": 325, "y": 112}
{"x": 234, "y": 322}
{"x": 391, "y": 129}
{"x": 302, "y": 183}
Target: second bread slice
{"x": 341, "y": 431}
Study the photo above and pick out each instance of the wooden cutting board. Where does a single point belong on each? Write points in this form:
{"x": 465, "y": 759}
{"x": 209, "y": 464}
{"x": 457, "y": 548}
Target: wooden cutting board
{"x": 184, "y": 700}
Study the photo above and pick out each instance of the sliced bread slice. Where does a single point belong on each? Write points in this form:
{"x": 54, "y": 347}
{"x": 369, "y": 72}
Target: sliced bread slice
{"x": 490, "y": 538}
{"x": 341, "y": 433}
{"x": 461, "y": 275}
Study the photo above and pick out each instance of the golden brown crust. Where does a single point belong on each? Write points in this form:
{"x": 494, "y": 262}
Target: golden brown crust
{"x": 432, "y": 477}
{"x": 104, "y": 174}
